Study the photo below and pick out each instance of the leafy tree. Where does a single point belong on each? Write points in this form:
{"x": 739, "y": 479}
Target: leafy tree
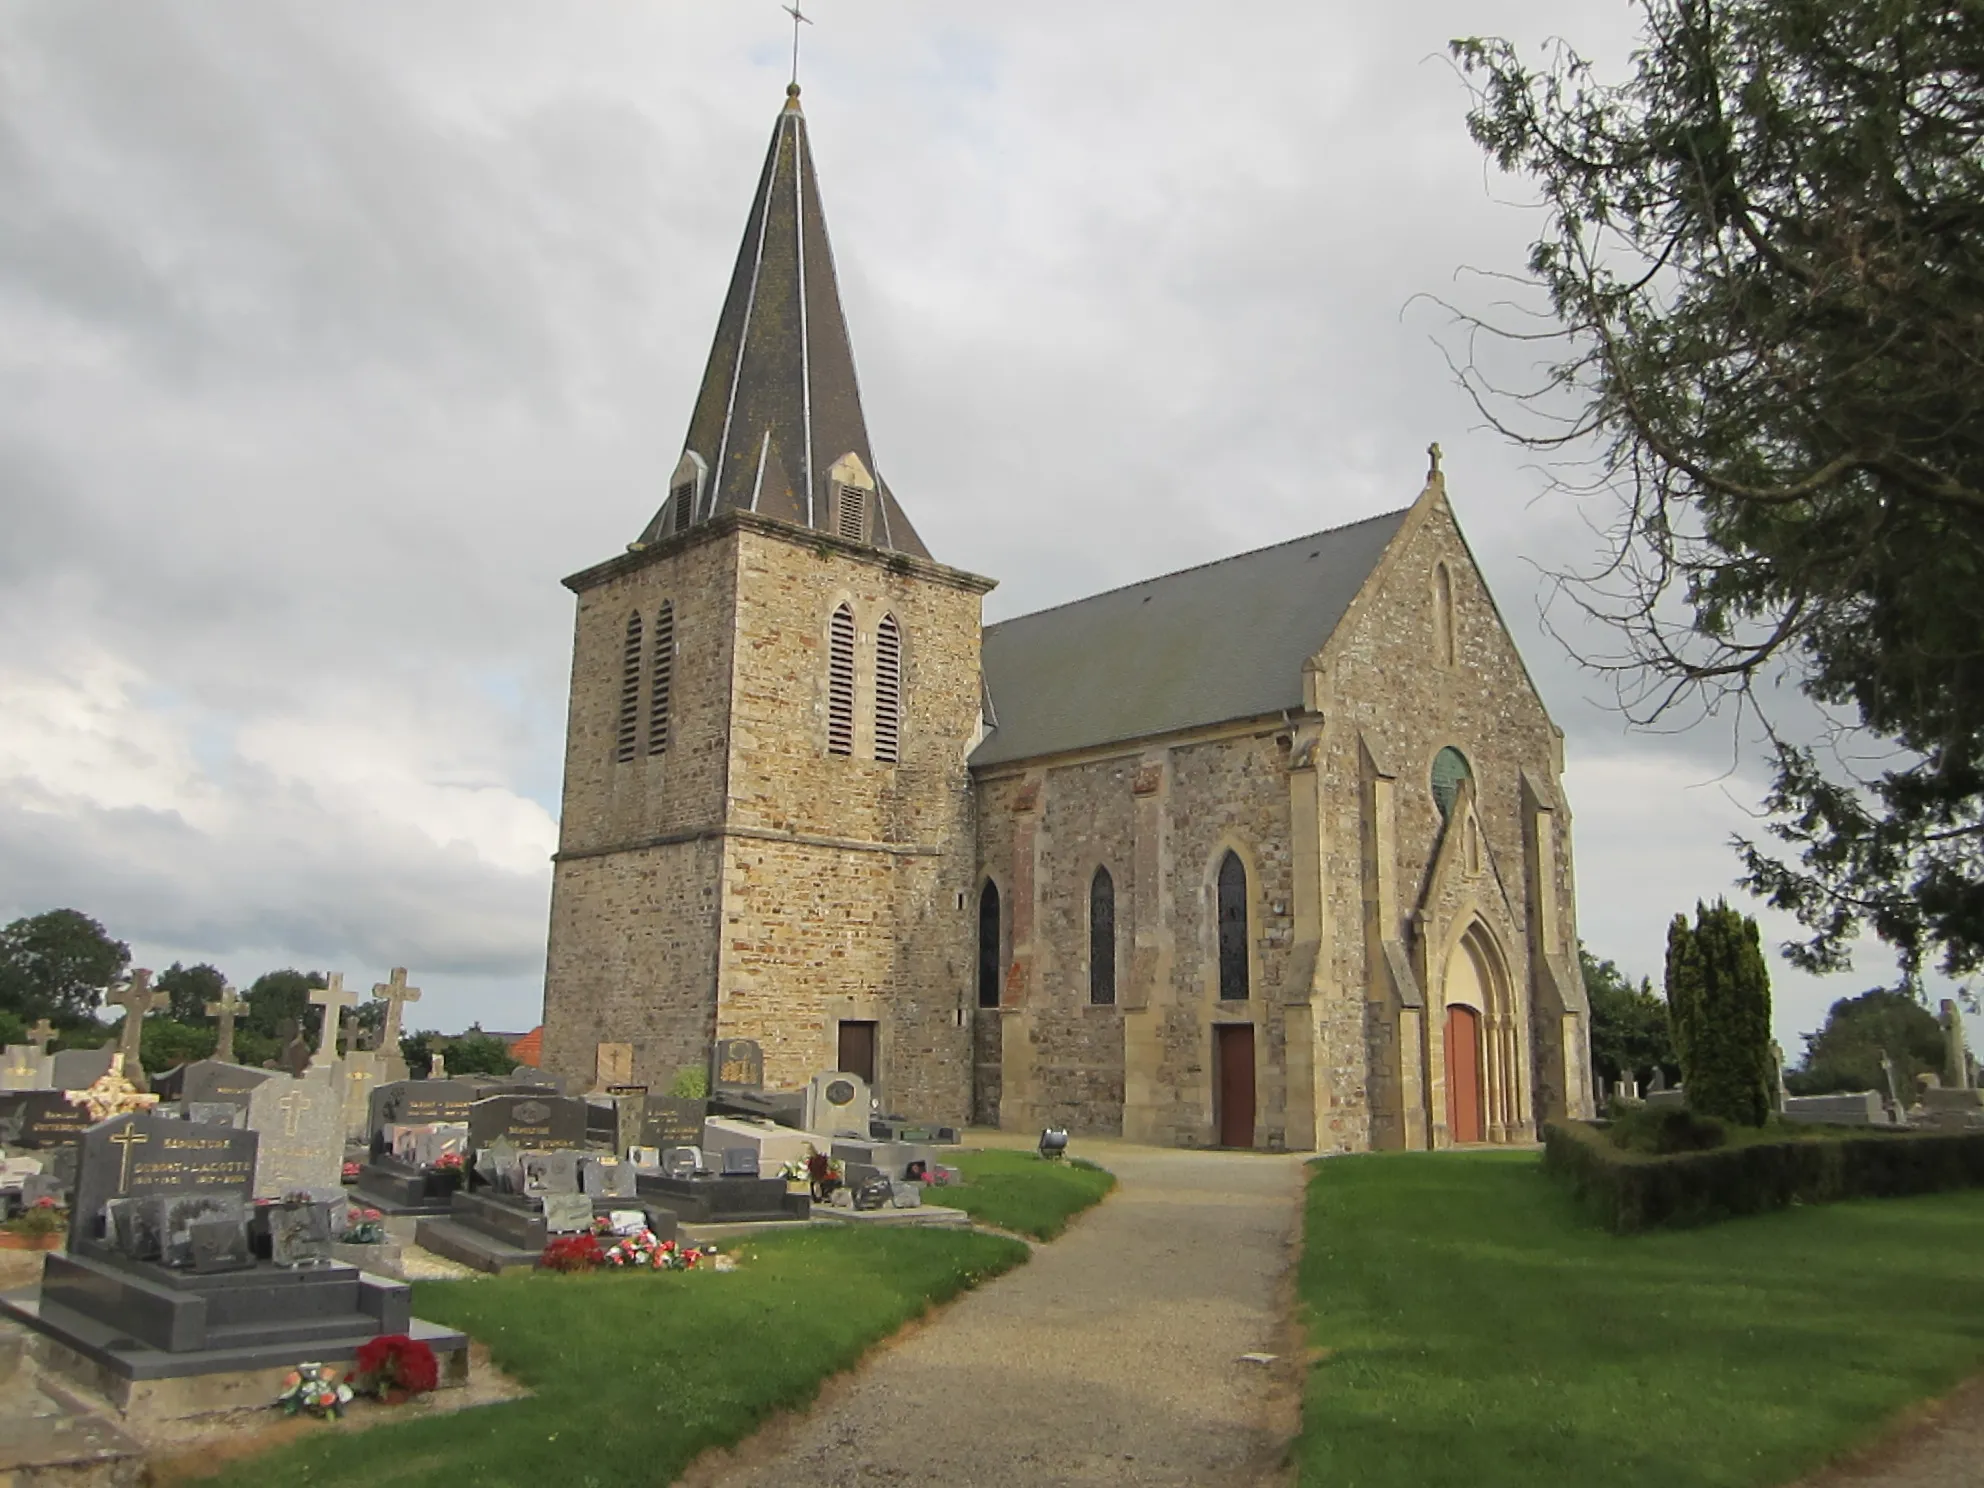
{"x": 476, "y": 1053}
{"x": 279, "y": 996}
{"x": 1845, "y": 1053}
{"x": 13, "y": 1029}
{"x": 58, "y": 965}
{"x": 1764, "y": 253}
{"x": 1719, "y": 989}
{"x": 1629, "y": 1027}
{"x": 417, "y": 1049}
{"x": 165, "y": 1042}
{"x": 191, "y": 988}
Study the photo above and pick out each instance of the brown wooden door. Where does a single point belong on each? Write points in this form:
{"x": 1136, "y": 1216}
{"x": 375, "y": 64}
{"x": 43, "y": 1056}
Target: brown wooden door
{"x": 1235, "y": 1093}
{"x": 1463, "y": 1074}
{"x": 857, "y": 1050}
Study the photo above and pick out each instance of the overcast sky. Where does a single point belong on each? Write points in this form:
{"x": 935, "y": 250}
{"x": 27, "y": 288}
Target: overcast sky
{"x": 333, "y": 336}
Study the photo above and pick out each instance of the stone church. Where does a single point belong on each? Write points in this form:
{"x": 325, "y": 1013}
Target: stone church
{"x": 1272, "y": 852}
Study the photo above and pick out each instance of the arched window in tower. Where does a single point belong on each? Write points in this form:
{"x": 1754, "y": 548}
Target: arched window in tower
{"x": 628, "y": 737}
{"x": 840, "y": 682}
{"x": 1233, "y": 970}
{"x": 888, "y": 690}
{"x": 1449, "y": 770}
{"x": 988, "y": 945}
{"x": 1443, "y": 614}
{"x": 661, "y": 678}
{"x": 1102, "y": 938}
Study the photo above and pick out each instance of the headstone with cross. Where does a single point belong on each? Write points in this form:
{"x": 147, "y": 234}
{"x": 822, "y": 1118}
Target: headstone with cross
{"x": 301, "y": 1126}
{"x": 137, "y": 998}
{"x": 333, "y": 999}
{"x": 225, "y": 1009}
{"x": 396, "y": 994}
{"x": 134, "y": 1156}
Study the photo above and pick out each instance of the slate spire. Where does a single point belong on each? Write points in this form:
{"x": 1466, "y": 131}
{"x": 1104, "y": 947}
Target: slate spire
{"x": 777, "y": 427}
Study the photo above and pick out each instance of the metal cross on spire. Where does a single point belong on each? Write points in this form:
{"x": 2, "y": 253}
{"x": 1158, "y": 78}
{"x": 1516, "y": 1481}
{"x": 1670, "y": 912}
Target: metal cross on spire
{"x": 798, "y": 19}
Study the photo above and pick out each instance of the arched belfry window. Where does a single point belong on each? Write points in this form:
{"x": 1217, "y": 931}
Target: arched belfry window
{"x": 888, "y": 690}
{"x": 627, "y": 737}
{"x": 840, "y": 682}
{"x": 1233, "y": 969}
{"x": 1443, "y": 614}
{"x": 1102, "y": 938}
{"x": 1449, "y": 770}
{"x": 988, "y": 945}
{"x": 661, "y": 678}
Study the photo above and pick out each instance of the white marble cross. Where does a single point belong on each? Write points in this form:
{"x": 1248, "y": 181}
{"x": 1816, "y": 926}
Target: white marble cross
{"x": 230, "y": 1003}
{"x": 333, "y": 1000}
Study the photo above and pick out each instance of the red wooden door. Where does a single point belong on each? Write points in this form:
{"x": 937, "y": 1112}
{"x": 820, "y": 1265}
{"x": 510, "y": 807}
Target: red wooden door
{"x": 857, "y": 1050}
{"x": 1463, "y": 1074}
{"x": 1235, "y": 1095}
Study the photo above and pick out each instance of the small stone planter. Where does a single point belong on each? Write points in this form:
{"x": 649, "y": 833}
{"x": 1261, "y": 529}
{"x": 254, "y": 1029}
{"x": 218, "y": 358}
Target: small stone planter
{"x": 10, "y": 1240}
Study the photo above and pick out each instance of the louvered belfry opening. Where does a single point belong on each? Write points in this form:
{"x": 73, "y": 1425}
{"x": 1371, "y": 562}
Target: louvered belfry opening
{"x": 849, "y": 503}
{"x": 684, "y": 497}
{"x": 888, "y": 691}
{"x": 661, "y": 678}
{"x": 840, "y": 682}
{"x": 628, "y": 737}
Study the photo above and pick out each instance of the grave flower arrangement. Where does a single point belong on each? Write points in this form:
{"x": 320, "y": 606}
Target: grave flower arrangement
{"x": 364, "y": 1227}
{"x": 349, "y": 1173}
{"x": 40, "y": 1226}
{"x": 642, "y": 1252}
{"x": 314, "y": 1390}
{"x": 824, "y": 1171}
{"x": 448, "y": 1162}
{"x": 573, "y": 1253}
{"x": 395, "y": 1368}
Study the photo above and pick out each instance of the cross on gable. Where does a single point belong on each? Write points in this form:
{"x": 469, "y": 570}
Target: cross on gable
{"x": 396, "y": 992}
{"x": 333, "y": 1000}
{"x": 42, "y": 1035}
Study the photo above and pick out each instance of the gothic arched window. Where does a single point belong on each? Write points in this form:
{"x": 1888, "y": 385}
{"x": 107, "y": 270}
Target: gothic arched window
{"x": 1449, "y": 770}
{"x": 627, "y": 737}
{"x": 661, "y": 678}
{"x": 840, "y": 682}
{"x": 888, "y": 690}
{"x": 1232, "y": 928}
{"x": 988, "y": 945}
{"x": 1102, "y": 938}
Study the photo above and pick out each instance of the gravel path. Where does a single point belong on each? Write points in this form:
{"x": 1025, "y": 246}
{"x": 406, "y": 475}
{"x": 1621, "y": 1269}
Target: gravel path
{"x": 1113, "y": 1357}
{"x": 1942, "y": 1446}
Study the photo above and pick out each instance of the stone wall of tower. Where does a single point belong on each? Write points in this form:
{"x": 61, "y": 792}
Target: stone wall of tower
{"x": 633, "y": 943}
{"x": 847, "y": 880}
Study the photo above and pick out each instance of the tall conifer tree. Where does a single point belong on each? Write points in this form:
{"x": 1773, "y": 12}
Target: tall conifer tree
{"x": 1718, "y": 990}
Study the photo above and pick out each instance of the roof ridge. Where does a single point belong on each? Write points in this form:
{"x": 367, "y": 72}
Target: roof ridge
{"x": 1209, "y": 563}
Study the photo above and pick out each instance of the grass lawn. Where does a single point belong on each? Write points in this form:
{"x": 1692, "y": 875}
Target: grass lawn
{"x": 1475, "y": 1329}
{"x": 634, "y": 1375}
{"x": 1023, "y": 1192}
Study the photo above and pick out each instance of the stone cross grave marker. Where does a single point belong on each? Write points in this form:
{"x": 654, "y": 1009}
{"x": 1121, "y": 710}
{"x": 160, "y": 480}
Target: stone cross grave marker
{"x": 737, "y": 1063}
{"x": 1956, "y": 1067}
{"x": 136, "y": 998}
{"x": 225, "y": 1009}
{"x": 42, "y": 1035}
{"x": 437, "y": 1066}
{"x": 396, "y": 994}
{"x": 300, "y": 1123}
{"x": 135, "y": 1156}
{"x": 333, "y": 1000}
{"x": 1895, "y": 1101}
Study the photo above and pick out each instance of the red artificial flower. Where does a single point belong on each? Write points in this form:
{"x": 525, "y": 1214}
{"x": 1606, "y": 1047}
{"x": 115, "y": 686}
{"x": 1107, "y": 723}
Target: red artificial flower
{"x": 573, "y": 1253}
{"x": 396, "y": 1364}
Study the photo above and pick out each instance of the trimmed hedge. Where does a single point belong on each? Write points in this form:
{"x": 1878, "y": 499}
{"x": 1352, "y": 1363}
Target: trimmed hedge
{"x": 1631, "y": 1191}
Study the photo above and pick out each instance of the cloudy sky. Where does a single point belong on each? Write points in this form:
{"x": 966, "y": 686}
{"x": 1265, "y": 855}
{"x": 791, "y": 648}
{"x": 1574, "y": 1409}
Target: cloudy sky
{"x": 331, "y": 337}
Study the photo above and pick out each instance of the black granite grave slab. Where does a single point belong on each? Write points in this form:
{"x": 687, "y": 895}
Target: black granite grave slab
{"x": 737, "y": 1063}
{"x": 715, "y": 1200}
{"x": 416, "y": 1103}
{"x": 669, "y": 1121}
{"x": 395, "y": 1189}
{"x": 533, "y": 1120}
{"x": 210, "y": 1081}
{"x": 463, "y": 1238}
{"x": 147, "y": 1156}
{"x": 40, "y": 1119}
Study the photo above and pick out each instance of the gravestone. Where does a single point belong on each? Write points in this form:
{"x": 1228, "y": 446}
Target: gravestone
{"x": 137, "y": 998}
{"x": 530, "y": 1077}
{"x": 1854, "y": 1108}
{"x": 567, "y": 1213}
{"x": 892, "y": 1160}
{"x": 670, "y": 1121}
{"x": 775, "y": 1145}
{"x": 214, "y": 1113}
{"x": 40, "y": 1119}
{"x": 78, "y": 1069}
{"x": 837, "y": 1104}
{"x": 136, "y": 1157}
{"x": 551, "y": 1172}
{"x": 333, "y": 999}
{"x": 1956, "y": 1062}
{"x": 425, "y": 1146}
{"x": 613, "y": 1064}
{"x": 24, "y": 1067}
{"x": 360, "y": 1074}
{"x": 179, "y": 1215}
{"x": 224, "y": 1011}
{"x": 300, "y": 1234}
{"x": 211, "y": 1080}
{"x": 301, "y": 1126}
{"x": 737, "y": 1064}
{"x": 395, "y": 993}
{"x": 540, "y": 1121}
{"x": 418, "y": 1103}
{"x": 604, "y": 1179}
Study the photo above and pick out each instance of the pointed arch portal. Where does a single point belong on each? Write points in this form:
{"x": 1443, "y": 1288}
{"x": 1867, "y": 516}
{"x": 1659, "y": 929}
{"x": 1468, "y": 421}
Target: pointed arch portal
{"x": 1482, "y": 1051}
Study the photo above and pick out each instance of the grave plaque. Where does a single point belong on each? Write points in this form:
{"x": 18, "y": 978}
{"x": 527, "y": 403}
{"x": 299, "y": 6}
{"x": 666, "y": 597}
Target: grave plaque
{"x": 299, "y": 1234}
{"x": 551, "y": 1173}
{"x": 138, "y": 1157}
{"x": 220, "y": 1245}
{"x": 567, "y": 1213}
{"x": 132, "y": 1228}
{"x": 737, "y": 1063}
{"x": 545, "y": 1120}
{"x": 419, "y": 1103}
{"x": 740, "y": 1162}
{"x": 301, "y": 1124}
{"x": 670, "y": 1122}
{"x": 37, "y": 1119}
{"x": 215, "y": 1113}
{"x": 613, "y": 1065}
{"x": 178, "y": 1215}
{"x": 608, "y": 1180}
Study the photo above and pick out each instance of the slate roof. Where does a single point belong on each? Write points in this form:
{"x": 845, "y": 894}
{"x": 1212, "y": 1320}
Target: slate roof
{"x": 1222, "y": 641}
{"x": 779, "y": 402}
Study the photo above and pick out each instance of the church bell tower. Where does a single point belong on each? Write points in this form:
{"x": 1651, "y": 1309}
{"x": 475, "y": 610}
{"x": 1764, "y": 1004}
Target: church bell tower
{"x": 767, "y": 827}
